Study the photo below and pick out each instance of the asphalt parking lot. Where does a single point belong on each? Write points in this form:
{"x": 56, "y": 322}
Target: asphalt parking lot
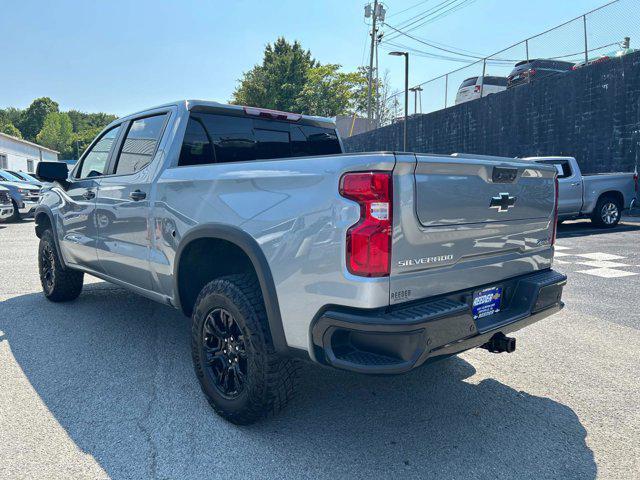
{"x": 103, "y": 387}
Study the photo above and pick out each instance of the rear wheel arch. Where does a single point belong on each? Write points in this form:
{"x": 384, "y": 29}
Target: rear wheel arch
{"x": 196, "y": 265}
{"x": 614, "y": 194}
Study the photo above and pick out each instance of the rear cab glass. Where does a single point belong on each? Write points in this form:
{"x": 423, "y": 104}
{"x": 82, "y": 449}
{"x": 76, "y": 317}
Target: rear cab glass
{"x": 497, "y": 81}
{"x": 562, "y": 166}
{"x": 469, "y": 82}
{"x": 215, "y": 138}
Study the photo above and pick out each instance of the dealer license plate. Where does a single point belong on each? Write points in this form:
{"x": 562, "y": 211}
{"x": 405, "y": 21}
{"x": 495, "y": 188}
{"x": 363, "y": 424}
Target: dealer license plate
{"x": 486, "y": 302}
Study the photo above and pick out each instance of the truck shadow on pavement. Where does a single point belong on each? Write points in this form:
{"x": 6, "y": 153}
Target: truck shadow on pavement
{"x": 580, "y": 228}
{"x": 114, "y": 369}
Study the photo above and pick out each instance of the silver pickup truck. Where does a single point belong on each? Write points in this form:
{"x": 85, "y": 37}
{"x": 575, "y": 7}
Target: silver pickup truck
{"x": 602, "y": 197}
{"x": 280, "y": 247}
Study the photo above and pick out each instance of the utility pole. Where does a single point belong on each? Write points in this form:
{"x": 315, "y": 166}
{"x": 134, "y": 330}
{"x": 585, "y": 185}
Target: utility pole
{"x": 376, "y": 14}
{"x": 376, "y": 94}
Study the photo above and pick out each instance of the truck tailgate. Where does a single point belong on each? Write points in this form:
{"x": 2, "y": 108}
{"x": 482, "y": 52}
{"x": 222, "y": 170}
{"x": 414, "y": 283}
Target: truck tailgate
{"x": 464, "y": 221}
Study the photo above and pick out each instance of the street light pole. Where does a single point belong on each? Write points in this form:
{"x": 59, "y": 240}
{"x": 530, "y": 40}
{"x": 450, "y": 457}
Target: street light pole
{"x": 415, "y": 91}
{"x": 406, "y": 94}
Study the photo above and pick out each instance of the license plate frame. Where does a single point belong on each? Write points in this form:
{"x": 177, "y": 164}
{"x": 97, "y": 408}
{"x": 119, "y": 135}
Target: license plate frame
{"x": 486, "y": 302}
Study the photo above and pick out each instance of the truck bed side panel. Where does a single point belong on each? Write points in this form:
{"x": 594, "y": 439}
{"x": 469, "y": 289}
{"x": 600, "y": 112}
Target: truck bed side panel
{"x": 292, "y": 208}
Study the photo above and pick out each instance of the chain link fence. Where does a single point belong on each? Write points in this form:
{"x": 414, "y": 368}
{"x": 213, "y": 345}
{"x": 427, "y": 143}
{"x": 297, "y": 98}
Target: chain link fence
{"x": 603, "y": 34}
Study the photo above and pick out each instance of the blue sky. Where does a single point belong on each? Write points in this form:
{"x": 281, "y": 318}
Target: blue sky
{"x": 121, "y": 56}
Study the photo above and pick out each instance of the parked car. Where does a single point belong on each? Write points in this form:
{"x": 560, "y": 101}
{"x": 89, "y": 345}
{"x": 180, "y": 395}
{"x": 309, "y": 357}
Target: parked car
{"x": 25, "y": 177}
{"x": 279, "y": 246}
{"x": 604, "y": 58}
{"x": 475, "y": 87}
{"x": 528, "y": 70}
{"x": 602, "y": 197}
{"x": 24, "y": 195}
{"x": 6, "y": 206}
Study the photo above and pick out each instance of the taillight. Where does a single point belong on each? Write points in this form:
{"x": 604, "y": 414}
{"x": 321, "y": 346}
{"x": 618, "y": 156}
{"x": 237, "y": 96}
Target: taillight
{"x": 369, "y": 240}
{"x": 635, "y": 180}
{"x": 555, "y": 213}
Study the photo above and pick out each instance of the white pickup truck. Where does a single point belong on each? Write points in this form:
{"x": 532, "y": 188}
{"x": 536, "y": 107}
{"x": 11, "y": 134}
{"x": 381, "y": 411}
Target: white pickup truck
{"x": 601, "y": 196}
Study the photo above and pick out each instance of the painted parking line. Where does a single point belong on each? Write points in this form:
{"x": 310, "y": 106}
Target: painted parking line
{"x": 599, "y": 256}
{"x": 602, "y": 264}
{"x": 607, "y": 272}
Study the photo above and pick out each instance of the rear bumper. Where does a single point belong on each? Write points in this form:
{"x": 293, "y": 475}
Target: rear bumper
{"x": 403, "y": 337}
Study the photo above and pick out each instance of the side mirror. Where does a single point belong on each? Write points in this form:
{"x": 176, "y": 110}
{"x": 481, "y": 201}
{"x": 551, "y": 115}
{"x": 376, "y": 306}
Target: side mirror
{"x": 52, "y": 171}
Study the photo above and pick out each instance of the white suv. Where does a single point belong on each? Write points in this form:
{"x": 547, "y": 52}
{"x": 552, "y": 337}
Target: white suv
{"x": 473, "y": 88}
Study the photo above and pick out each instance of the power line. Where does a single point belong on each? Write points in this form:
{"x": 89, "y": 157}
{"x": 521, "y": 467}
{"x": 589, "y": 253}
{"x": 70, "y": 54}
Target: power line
{"x": 432, "y": 14}
{"x": 409, "y": 8}
{"x": 430, "y": 44}
{"x": 424, "y": 13}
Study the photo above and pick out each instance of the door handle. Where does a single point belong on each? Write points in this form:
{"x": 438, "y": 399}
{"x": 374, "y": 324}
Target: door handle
{"x": 89, "y": 195}
{"x": 575, "y": 184}
{"x": 137, "y": 195}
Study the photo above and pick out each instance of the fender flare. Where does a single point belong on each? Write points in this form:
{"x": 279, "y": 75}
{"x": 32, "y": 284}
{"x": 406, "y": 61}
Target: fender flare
{"x": 250, "y": 247}
{"x": 45, "y": 210}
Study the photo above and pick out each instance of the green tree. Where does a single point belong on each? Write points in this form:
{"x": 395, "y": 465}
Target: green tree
{"x": 83, "y": 121}
{"x": 11, "y": 115}
{"x": 279, "y": 80}
{"x": 10, "y": 129}
{"x": 56, "y": 132}
{"x": 34, "y": 117}
{"x": 382, "y": 104}
{"x": 329, "y": 92}
{"x": 81, "y": 140}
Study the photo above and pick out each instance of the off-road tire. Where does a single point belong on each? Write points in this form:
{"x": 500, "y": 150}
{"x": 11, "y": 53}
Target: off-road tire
{"x": 270, "y": 378}
{"x": 598, "y": 215}
{"x": 63, "y": 284}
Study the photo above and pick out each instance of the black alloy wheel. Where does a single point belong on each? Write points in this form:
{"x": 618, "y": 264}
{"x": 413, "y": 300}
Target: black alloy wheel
{"x": 224, "y": 348}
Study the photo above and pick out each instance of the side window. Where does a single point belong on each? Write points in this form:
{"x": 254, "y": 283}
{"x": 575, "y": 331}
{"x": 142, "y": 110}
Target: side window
{"x": 95, "y": 160}
{"x": 140, "y": 144}
{"x": 196, "y": 147}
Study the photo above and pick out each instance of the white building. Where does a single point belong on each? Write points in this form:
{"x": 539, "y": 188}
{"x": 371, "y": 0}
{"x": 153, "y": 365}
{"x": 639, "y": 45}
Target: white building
{"x": 20, "y": 155}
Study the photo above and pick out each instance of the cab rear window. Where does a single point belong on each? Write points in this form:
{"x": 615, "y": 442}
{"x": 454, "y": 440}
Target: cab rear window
{"x": 469, "y": 82}
{"x": 214, "y": 138}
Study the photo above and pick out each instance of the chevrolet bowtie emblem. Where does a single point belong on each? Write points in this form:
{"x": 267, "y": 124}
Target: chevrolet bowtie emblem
{"x": 502, "y": 202}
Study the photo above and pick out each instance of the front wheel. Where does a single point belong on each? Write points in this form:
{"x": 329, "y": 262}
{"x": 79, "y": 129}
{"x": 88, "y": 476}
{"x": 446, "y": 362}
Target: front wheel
{"x": 607, "y": 212}
{"x": 240, "y": 373}
{"x": 59, "y": 284}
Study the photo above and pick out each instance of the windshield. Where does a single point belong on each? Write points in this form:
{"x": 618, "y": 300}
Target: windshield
{"x": 8, "y": 177}
{"x": 24, "y": 176}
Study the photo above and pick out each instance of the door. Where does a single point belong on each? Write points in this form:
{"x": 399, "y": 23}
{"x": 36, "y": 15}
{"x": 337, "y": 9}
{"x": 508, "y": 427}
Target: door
{"x": 570, "y": 192}
{"x": 78, "y": 233}
{"x": 123, "y": 207}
